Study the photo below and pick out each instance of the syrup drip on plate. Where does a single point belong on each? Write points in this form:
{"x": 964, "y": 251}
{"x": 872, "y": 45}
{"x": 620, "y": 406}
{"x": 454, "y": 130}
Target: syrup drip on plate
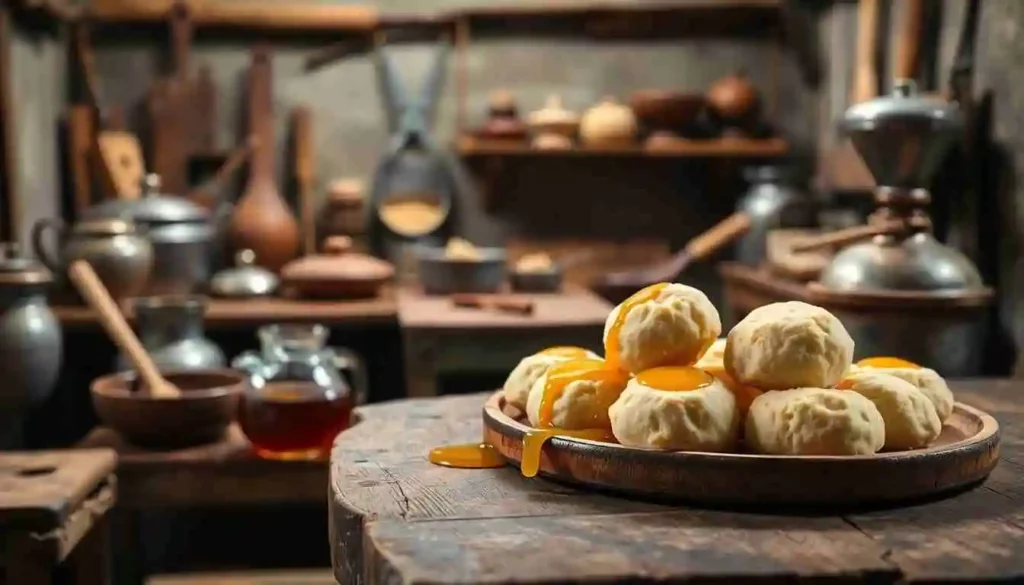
{"x": 612, "y": 347}
{"x": 534, "y": 439}
{"x": 886, "y": 362}
{"x": 566, "y": 351}
{"x": 468, "y": 456}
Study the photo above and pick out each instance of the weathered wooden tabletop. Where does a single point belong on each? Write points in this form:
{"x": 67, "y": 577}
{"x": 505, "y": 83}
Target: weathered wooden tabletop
{"x": 395, "y": 518}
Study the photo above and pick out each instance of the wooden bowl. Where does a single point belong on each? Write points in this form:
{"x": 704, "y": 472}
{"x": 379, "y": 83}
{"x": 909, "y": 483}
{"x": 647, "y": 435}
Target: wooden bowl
{"x": 666, "y": 110}
{"x": 208, "y": 405}
{"x": 964, "y": 454}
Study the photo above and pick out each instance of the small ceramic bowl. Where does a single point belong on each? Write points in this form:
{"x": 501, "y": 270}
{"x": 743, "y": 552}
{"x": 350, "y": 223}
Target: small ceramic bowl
{"x": 537, "y": 282}
{"x": 440, "y": 275}
{"x": 207, "y": 406}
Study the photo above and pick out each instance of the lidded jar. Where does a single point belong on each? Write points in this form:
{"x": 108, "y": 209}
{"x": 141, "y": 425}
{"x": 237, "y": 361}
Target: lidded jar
{"x": 31, "y": 343}
{"x": 297, "y": 400}
{"x": 608, "y": 123}
{"x": 171, "y": 329}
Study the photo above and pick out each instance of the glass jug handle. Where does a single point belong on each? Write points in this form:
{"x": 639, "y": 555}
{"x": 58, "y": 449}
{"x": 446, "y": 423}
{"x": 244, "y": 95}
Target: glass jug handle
{"x": 346, "y": 360}
{"x": 249, "y": 362}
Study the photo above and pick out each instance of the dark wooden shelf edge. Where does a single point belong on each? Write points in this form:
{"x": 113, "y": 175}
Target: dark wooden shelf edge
{"x": 712, "y": 148}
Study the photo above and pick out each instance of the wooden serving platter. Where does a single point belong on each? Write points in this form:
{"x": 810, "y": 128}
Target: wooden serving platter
{"x": 964, "y": 454}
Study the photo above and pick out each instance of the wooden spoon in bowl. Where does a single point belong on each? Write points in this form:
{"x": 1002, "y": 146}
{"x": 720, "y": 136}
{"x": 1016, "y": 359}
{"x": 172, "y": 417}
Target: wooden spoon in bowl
{"x": 90, "y": 286}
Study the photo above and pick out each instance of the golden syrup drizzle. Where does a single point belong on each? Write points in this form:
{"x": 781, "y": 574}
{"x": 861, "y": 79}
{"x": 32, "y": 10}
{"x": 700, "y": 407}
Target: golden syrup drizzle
{"x": 612, "y": 346}
{"x": 675, "y": 378}
{"x": 566, "y": 351}
{"x": 468, "y": 456}
{"x": 534, "y": 439}
{"x": 886, "y": 362}
{"x": 612, "y": 382}
{"x": 744, "y": 393}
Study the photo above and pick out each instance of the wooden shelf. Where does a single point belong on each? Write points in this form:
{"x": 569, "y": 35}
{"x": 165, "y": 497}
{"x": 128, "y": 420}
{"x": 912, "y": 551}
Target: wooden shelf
{"x": 469, "y": 146}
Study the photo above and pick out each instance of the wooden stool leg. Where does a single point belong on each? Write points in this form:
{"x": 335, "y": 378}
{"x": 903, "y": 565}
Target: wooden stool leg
{"x": 129, "y": 558}
{"x": 90, "y": 563}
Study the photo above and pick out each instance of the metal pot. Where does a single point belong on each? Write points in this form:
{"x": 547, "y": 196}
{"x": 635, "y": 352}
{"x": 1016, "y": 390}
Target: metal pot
{"x": 31, "y": 344}
{"x": 244, "y": 280}
{"x": 903, "y": 293}
{"x": 120, "y": 255}
{"x": 171, "y": 329}
{"x": 772, "y": 201}
{"x": 179, "y": 230}
{"x": 441, "y": 275}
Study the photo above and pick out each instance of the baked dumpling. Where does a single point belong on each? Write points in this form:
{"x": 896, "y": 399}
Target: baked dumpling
{"x": 653, "y": 412}
{"x": 814, "y": 421}
{"x": 910, "y": 418}
{"x": 520, "y": 380}
{"x": 575, "y": 394}
{"x": 661, "y": 325}
{"x": 926, "y": 380}
{"x": 788, "y": 345}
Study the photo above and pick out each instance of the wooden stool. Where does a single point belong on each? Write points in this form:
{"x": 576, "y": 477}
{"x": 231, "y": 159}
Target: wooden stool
{"x": 53, "y": 507}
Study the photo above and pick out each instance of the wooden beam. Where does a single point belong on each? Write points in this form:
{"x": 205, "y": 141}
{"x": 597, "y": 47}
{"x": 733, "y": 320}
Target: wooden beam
{"x": 261, "y": 14}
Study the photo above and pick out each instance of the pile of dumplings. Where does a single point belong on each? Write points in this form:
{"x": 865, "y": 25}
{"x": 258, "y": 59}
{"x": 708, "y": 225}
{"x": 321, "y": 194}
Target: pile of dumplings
{"x": 782, "y": 382}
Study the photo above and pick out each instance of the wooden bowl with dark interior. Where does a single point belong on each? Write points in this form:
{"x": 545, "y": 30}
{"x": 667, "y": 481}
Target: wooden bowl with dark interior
{"x": 666, "y": 110}
{"x": 207, "y": 406}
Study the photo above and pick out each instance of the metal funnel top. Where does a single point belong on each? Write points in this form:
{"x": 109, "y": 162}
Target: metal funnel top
{"x": 903, "y": 137}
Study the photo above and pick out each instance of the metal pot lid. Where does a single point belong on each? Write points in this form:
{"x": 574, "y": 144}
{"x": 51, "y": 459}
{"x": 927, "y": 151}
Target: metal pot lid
{"x": 15, "y": 268}
{"x": 245, "y": 279}
{"x": 918, "y": 263}
{"x": 105, "y": 227}
{"x": 903, "y": 104}
{"x": 153, "y": 207}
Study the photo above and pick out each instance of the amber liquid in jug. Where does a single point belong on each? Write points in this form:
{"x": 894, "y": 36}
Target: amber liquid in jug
{"x": 297, "y": 400}
{"x": 293, "y": 420}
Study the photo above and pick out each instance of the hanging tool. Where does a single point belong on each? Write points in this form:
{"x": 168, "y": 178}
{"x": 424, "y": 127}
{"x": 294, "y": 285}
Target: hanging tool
{"x": 120, "y": 164}
{"x": 413, "y": 165}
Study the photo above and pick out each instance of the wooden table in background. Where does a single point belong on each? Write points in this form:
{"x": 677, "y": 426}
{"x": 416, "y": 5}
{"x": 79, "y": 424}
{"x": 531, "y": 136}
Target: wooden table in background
{"x": 395, "y": 518}
{"x": 221, "y": 313}
{"x": 53, "y": 511}
{"x": 222, "y": 474}
{"x": 439, "y": 337}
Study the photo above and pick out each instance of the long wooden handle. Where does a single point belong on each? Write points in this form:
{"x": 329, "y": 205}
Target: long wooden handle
{"x": 302, "y": 133}
{"x": 117, "y": 328}
{"x": 718, "y": 236}
{"x": 865, "y": 84}
{"x": 908, "y": 41}
{"x": 181, "y": 38}
{"x": 844, "y": 236}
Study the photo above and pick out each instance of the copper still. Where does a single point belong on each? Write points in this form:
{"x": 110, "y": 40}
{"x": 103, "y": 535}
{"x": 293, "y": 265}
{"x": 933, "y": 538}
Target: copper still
{"x": 898, "y": 290}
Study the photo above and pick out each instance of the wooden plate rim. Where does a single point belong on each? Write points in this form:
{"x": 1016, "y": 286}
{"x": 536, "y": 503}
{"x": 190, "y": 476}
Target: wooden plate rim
{"x": 985, "y": 438}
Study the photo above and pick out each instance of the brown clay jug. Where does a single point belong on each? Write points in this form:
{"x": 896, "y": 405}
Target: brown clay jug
{"x": 262, "y": 221}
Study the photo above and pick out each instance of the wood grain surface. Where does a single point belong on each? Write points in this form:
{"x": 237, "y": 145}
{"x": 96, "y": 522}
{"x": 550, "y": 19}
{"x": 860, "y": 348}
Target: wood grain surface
{"x": 395, "y": 518}
{"x": 573, "y": 307}
{"x": 222, "y": 473}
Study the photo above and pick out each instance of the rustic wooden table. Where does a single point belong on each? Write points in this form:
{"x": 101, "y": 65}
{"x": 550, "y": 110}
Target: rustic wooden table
{"x": 53, "y": 512}
{"x": 439, "y": 338}
{"x": 395, "y": 518}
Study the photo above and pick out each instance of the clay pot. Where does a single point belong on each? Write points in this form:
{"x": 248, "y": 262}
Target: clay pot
{"x": 734, "y": 99}
{"x": 503, "y": 121}
{"x": 553, "y": 120}
{"x": 608, "y": 123}
{"x": 666, "y": 110}
{"x": 344, "y": 212}
{"x": 338, "y": 273}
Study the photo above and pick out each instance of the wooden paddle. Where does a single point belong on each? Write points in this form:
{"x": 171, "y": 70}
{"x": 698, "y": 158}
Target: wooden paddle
{"x": 92, "y": 289}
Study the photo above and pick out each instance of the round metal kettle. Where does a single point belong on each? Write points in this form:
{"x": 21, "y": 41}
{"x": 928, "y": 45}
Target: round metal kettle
{"x": 772, "y": 201}
{"x": 902, "y": 292}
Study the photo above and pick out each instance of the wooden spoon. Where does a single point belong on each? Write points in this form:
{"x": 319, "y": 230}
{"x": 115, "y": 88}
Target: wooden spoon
{"x": 90, "y": 286}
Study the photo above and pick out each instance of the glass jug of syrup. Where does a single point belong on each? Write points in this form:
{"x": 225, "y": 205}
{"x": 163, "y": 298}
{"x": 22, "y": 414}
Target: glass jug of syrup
{"x": 298, "y": 400}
